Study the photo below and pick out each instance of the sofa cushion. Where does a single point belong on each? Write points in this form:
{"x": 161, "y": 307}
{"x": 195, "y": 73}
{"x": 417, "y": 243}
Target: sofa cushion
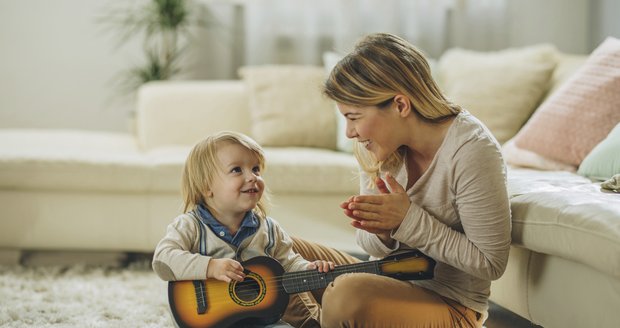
{"x": 288, "y": 170}
{"x": 603, "y": 161}
{"x": 566, "y": 215}
{"x": 102, "y": 161}
{"x": 581, "y": 113}
{"x": 500, "y": 88}
{"x": 184, "y": 112}
{"x": 566, "y": 67}
{"x": 71, "y": 160}
{"x": 287, "y": 107}
{"x": 306, "y": 170}
{"x": 525, "y": 158}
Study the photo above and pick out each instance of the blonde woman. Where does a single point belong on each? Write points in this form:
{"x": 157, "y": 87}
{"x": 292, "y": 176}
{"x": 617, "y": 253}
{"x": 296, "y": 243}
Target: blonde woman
{"x": 432, "y": 178}
{"x": 225, "y": 222}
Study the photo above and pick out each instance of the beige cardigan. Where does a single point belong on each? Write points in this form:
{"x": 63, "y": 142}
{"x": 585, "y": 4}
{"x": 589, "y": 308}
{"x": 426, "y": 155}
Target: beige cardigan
{"x": 177, "y": 256}
{"x": 459, "y": 215}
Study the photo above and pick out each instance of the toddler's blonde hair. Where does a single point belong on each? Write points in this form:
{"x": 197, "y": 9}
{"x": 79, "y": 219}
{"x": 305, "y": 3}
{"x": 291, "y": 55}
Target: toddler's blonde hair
{"x": 202, "y": 167}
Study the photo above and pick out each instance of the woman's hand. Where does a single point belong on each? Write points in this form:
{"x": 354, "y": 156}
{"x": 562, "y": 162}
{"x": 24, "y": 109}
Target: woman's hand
{"x": 379, "y": 214}
{"x": 322, "y": 266}
{"x": 225, "y": 270}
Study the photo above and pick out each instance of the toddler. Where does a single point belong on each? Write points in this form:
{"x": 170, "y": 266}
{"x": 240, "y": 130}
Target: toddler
{"x": 224, "y": 221}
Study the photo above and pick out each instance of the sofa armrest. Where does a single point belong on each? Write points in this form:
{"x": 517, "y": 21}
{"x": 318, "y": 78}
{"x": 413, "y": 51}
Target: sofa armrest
{"x": 182, "y": 113}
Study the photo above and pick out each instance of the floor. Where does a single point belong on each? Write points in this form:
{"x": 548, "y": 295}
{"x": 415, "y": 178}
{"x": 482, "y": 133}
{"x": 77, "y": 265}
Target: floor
{"x": 498, "y": 316}
{"x": 502, "y": 318}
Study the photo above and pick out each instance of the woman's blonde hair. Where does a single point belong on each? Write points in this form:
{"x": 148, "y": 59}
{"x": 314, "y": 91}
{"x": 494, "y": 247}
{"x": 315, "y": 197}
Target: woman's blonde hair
{"x": 202, "y": 167}
{"x": 380, "y": 67}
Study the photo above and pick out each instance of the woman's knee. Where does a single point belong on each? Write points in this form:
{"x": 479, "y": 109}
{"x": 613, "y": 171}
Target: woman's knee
{"x": 346, "y": 299}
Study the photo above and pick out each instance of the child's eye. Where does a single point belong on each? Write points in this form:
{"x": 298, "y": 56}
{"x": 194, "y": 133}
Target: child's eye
{"x": 256, "y": 169}
{"x": 235, "y": 170}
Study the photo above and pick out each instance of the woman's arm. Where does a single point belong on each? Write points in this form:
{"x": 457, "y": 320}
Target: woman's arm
{"x": 481, "y": 203}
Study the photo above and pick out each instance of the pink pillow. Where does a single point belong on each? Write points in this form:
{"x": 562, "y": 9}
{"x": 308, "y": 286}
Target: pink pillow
{"x": 580, "y": 113}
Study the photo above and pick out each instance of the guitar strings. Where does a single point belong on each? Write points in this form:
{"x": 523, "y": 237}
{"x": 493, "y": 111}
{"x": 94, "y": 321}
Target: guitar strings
{"x": 248, "y": 291}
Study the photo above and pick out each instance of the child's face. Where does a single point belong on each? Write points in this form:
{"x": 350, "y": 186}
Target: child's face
{"x": 239, "y": 186}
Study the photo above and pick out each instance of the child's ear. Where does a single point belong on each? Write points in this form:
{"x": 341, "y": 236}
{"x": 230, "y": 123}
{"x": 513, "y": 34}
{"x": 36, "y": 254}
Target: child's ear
{"x": 209, "y": 193}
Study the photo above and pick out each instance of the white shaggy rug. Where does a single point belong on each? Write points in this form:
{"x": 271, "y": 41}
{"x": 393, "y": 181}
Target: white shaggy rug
{"x": 82, "y": 296}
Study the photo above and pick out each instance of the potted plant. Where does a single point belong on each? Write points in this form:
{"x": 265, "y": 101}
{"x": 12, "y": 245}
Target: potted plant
{"x": 166, "y": 27}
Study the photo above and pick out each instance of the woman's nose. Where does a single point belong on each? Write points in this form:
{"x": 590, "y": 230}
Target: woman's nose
{"x": 350, "y": 131}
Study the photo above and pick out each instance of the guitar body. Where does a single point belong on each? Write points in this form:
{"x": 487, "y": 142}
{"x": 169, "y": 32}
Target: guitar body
{"x": 259, "y": 299}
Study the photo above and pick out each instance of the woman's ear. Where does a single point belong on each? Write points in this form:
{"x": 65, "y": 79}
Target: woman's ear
{"x": 403, "y": 105}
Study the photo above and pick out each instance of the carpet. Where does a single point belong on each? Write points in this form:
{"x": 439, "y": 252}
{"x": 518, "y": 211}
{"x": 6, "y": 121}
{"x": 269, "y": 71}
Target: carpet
{"x": 83, "y": 295}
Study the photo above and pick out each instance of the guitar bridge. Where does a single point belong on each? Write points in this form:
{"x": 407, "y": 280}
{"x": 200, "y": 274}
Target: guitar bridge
{"x": 201, "y": 301}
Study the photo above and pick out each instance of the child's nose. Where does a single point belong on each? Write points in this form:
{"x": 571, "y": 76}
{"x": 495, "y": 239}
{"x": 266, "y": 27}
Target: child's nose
{"x": 250, "y": 176}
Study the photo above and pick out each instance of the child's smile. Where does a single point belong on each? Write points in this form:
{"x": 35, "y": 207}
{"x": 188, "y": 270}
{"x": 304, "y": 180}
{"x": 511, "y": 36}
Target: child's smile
{"x": 239, "y": 185}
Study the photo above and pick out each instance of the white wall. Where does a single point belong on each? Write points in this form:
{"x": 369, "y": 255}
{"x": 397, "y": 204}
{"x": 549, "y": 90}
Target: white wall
{"x": 57, "y": 64}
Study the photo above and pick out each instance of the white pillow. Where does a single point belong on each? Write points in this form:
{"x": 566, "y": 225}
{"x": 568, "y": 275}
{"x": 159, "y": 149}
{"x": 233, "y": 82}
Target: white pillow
{"x": 500, "y": 88}
{"x": 288, "y": 108}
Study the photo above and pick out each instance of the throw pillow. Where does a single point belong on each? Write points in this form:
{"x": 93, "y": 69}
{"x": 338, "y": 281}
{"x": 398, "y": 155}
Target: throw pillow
{"x": 500, "y": 88}
{"x": 287, "y": 106}
{"x": 516, "y": 156}
{"x": 603, "y": 161}
{"x": 581, "y": 113}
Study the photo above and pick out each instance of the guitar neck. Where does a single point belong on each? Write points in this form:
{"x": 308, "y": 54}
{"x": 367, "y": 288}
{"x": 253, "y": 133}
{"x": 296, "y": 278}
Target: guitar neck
{"x": 302, "y": 281}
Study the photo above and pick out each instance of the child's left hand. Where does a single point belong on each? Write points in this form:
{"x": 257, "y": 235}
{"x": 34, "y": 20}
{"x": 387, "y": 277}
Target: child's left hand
{"x": 323, "y": 266}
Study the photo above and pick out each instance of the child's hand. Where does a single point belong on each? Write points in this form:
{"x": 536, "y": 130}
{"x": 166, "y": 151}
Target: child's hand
{"x": 225, "y": 270}
{"x": 323, "y": 266}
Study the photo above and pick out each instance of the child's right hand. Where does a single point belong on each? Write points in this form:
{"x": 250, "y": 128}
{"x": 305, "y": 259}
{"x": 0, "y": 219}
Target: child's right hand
{"x": 225, "y": 270}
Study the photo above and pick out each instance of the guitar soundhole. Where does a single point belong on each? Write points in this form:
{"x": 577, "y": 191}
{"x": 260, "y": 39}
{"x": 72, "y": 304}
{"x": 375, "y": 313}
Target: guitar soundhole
{"x": 249, "y": 292}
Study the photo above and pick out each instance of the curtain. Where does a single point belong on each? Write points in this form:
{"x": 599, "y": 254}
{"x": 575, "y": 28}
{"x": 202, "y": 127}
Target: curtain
{"x": 299, "y": 31}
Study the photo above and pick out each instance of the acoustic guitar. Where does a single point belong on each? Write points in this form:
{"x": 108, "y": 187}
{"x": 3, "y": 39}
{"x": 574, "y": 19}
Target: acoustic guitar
{"x": 262, "y": 297}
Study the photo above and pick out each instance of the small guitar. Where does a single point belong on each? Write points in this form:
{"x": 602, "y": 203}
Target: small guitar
{"x": 262, "y": 297}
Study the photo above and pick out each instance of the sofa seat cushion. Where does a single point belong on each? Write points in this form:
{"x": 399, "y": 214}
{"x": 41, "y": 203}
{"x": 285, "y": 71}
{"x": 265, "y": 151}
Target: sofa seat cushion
{"x": 288, "y": 170}
{"x": 566, "y": 215}
{"x": 105, "y": 161}
{"x": 310, "y": 170}
{"x": 71, "y": 160}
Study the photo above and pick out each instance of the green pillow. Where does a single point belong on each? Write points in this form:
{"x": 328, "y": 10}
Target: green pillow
{"x": 604, "y": 159}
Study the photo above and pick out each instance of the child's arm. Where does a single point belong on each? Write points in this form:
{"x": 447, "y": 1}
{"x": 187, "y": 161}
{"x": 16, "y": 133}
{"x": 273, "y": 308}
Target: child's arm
{"x": 290, "y": 260}
{"x": 174, "y": 259}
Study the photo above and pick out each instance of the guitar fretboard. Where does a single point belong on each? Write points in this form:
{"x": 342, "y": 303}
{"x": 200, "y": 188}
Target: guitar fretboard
{"x": 302, "y": 281}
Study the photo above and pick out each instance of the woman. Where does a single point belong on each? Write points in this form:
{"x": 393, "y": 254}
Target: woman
{"x": 432, "y": 178}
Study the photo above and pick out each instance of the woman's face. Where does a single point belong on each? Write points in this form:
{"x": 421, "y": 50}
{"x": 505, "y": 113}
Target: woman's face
{"x": 373, "y": 127}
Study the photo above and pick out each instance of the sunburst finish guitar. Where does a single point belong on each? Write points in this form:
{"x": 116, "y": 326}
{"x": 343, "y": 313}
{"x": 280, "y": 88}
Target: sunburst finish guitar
{"x": 263, "y": 295}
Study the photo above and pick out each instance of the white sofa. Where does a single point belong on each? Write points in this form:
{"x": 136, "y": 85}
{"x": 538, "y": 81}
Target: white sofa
{"x": 83, "y": 190}
{"x": 116, "y": 191}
